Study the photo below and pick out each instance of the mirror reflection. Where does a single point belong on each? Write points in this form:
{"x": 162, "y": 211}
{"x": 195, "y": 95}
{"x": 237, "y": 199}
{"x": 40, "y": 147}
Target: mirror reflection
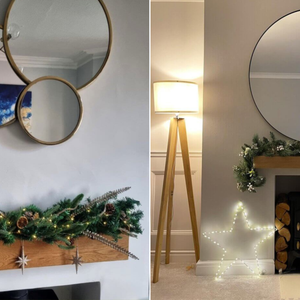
{"x": 64, "y": 38}
{"x": 275, "y": 75}
{"x": 54, "y": 113}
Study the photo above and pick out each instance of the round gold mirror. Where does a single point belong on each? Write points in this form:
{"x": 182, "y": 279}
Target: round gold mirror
{"x": 70, "y": 39}
{"x": 50, "y": 110}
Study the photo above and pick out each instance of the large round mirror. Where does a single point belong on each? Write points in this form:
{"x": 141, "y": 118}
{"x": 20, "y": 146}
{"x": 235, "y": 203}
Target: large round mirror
{"x": 10, "y": 89}
{"x": 275, "y": 75}
{"x": 50, "y": 110}
{"x": 70, "y": 39}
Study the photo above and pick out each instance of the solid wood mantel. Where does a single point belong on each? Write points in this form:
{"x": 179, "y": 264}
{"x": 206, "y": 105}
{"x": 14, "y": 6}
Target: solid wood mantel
{"x": 44, "y": 255}
{"x": 277, "y": 162}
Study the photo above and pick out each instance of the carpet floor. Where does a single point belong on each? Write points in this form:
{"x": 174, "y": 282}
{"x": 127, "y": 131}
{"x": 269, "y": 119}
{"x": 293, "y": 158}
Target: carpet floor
{"x": 179, "y": 282}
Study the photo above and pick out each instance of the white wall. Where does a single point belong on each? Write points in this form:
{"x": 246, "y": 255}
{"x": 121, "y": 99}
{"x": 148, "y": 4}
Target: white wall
{"x": 232, "y": 28}
{"x": 177, "y": 54}
{"x": 110, "y": 150}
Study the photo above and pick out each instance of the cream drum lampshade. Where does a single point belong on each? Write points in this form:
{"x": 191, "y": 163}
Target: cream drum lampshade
{"x": 176, "y": 97}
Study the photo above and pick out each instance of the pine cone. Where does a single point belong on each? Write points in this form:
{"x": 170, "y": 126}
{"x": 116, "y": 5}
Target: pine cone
{"x": 22, "y": 222}
{"x": 109, "y": 209}
{"x": 28, "y": 215}
{"x": 72, "y": 241}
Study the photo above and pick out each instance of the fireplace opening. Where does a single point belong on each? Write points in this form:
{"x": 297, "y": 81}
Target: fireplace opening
{"x": 47, "y": 294}
{"x": 287, "y": 223}
{"x": 83, "y": 291}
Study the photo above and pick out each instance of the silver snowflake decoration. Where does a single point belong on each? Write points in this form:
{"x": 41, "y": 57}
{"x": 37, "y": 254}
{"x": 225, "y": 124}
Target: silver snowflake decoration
{"x": 254, "y": 146}
{"x": 22, "y": 260}
{"x": 250, "y": 187}
{"x": 280, "y": 148}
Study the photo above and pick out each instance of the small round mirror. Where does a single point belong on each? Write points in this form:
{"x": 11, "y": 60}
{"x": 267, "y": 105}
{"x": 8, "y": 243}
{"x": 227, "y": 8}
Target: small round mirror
{"x": 70, "y": 39}
{"x": 54, "y": 112}
{"x": 274, "y": 75}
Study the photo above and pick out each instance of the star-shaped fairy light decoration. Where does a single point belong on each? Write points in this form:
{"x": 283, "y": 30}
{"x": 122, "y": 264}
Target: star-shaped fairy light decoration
{"x": 76, "y": 260}
{"x": 209, "y": 235}
{"x": 22, "y": 260}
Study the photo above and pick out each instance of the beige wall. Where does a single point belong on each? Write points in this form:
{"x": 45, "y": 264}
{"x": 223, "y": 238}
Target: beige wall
{"x": 177, "y": 54}
{"x": 232, "y": 28}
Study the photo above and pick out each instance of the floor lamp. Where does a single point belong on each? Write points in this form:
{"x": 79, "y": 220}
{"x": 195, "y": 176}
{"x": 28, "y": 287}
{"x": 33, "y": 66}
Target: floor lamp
{"x": 175, "y": 97}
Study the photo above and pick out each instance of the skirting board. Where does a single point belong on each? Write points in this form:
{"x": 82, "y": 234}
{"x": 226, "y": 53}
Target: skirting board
{"x": 176, "y": 256}
{"x": 209, "y": 268}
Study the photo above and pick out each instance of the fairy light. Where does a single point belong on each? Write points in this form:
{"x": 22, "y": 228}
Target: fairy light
{"x": 208, "y": 235}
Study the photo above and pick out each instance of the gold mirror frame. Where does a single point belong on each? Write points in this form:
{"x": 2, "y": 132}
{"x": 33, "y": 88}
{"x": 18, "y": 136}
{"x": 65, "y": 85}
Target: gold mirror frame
{"x": 22, "y": 96}
{"x": 23, "y": 77}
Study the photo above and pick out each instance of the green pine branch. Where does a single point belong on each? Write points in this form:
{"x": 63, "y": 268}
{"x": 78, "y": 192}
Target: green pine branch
{"x": 246, "y": 175}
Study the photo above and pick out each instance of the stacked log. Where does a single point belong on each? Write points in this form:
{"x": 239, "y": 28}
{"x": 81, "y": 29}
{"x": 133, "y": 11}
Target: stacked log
{"x": 283, "y": 235}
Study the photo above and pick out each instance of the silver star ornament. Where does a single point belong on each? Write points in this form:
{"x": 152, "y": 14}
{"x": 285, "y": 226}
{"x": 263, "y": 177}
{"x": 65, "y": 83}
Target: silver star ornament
{"x": 76, "y": 260}
{"x": 22, "y": 260}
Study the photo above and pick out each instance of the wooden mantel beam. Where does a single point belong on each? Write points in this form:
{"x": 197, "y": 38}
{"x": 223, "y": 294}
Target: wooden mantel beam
{"x": 44, "y": 255}
{"x": 277, "y": 162}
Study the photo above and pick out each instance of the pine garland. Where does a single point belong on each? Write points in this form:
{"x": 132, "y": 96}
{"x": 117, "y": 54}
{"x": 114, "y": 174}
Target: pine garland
{"x": 245, "y": 173}
{"x": 68, "y": 220}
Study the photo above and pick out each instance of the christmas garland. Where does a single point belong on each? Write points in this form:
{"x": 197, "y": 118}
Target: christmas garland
{"x": 246, "y": 175}
{"x": 67, "y": 220}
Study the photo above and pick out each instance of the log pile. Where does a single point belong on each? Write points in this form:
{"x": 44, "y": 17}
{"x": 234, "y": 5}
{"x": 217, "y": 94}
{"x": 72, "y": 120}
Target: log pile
{"x": 283, "y": 234}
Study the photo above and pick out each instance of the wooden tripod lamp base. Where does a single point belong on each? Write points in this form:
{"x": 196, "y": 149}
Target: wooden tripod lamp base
{"x": 176, "y": 125}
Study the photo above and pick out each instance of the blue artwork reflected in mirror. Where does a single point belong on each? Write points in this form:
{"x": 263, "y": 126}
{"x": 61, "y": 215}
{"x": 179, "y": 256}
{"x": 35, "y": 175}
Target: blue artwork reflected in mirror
{"x": 9, "y": 95}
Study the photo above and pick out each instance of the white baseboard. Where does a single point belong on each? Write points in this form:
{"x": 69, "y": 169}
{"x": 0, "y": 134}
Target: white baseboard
{"x": 209, "y": 268}
{"x": 177, "y": 256}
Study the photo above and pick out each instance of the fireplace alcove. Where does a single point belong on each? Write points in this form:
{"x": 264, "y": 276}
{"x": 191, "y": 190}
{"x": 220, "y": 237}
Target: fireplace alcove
{"x": 289, "y": 185}
{"x": 287, "y": 182}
